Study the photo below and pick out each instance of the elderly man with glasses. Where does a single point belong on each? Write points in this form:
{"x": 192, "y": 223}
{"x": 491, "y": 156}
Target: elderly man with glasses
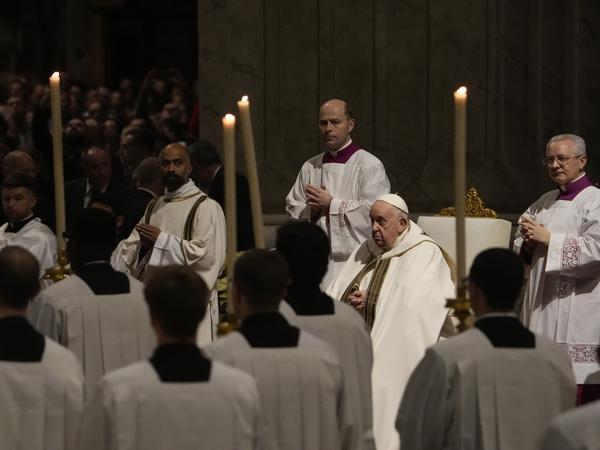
{"x": 559, "y": 238}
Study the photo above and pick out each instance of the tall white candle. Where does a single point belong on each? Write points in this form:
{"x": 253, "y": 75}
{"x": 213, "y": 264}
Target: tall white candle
{"x": 460, "y": 128}
{"x": 57, "y": 152}
{"x": 252, "y": 171}
{"x": 230, "y": 201}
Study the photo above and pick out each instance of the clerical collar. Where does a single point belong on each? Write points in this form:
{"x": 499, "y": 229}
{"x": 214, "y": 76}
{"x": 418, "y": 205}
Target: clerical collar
{"x": 181, "y": 362}
{"x": 342, "y": 155}
{"x": 269, "y": 329}
{"x": 309, "y": 301}
{"x": 20, "y": 341}
{"x": 496, "y": 314}
{"x": 16, "y": 227}
{"x": 570, "y": 191}
{"x": 184, "y": 191}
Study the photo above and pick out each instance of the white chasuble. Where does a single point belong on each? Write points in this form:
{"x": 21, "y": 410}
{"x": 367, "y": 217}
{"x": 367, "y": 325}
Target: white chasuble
{"x": 467, "y": 394}
{"x": 35, "y": 237}
{"x": 41, "y": 402}
{"x": 192, "y": 234}
{"x": 354, "y": 186}
{"x": 407, "y": 288}
{"x": 132, "y": 409}
{"x": 562, "y": 297}
{"x": 104, "y": 332}
{"x": 301, "y": 391}
{"x": 345, "y": 331}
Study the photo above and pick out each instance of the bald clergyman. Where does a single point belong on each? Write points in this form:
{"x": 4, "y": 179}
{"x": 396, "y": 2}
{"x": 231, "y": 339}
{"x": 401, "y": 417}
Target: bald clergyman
{"x": 335, "y": 189}
{"x": 398, "y": 280}
{"x": 182, "y": 227}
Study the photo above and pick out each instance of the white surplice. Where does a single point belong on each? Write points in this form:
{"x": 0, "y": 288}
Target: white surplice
{"x": 577, "y": 429}
{"x": 467, "y": 394}
{"x": 35, "y": 237}
{"x": 104, "y": 332}
{"x": 346, "y": 332}
{"x": 562, "y": 297}
{"x": 354, "y": 186}
{"x": 132, "y": 409}
{"x": 41, "y": 402}
{"x": 301, "y": 391}
{"x": 204, "y": 253}
{"x": 409, "y": 316}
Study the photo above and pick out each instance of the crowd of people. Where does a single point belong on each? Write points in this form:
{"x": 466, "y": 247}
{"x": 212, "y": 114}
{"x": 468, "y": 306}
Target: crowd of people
{"x": 344, "y": 341}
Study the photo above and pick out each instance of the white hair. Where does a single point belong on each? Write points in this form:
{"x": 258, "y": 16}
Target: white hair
{"x": 578, "y": 142}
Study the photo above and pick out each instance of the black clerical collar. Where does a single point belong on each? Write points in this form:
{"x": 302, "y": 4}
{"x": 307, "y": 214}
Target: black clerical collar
{"x": 505, "y": 330}
{"x": 181, "y": 362}
{"x": 18, "y": 226}
{"x": 269, "y": 329}
{"x": 19, "y": 341}
{"x": 309, "y": 301}
{"x": 102, "y": 279}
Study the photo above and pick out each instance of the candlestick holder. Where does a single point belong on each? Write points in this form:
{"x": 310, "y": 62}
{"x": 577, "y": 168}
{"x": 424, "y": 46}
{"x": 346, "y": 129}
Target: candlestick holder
{"x": 461, "y": 306}
{"x": 61, "y": 270}
{"x": 229, "y": 325}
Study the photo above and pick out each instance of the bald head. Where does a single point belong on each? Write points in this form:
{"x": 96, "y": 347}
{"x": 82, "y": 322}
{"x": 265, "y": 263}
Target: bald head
{"x": 19, "y": 278}
{"x": 335, "y": 123}
{"x": 175, "y": 165}
{"x": 18, "y": 161}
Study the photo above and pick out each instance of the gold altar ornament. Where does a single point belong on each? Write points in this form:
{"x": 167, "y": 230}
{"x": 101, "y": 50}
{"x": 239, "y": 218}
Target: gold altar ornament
{"x": 61, "y": 270}
{"x": 475, "y": 207}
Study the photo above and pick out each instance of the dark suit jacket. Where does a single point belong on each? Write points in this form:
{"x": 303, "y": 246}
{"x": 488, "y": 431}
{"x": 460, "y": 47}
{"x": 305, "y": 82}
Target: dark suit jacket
{"x": 75, "y": 195}
{"x": 245, "y": 230}
{"x": 133, "y": 210}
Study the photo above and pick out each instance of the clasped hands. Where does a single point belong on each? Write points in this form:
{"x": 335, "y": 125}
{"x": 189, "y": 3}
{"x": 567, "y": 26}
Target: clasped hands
{"x": 148, "y": 234}
{"x": 357, "y": 299}
{"x": 532, "y": 232}
{"x": 319, "y": 199}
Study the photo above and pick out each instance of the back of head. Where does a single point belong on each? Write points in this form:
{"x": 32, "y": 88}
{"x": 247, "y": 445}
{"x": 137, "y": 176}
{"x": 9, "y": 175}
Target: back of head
{"x": 498, "y": 272}
{"x": 92, "y": 236}
{"x": 300, "y": 242}
{"x": 142, "y": 136}
{"x": 148, "y": 172}
{"x": 261, "y": 277}
{"x": 204, "y": 154}
{"x": 107, "y": 201}
{"x": 177, "y": 298}
{"x": 20, "y": 180}
{"x": 19, "y": 277}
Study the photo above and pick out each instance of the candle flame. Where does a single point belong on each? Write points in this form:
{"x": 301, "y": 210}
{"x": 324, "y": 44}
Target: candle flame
{"x": 245, "y": 98}
{"x": 462, "y": 90}
{"x": 229, "y": 118}
{"x": 56, "y": 75}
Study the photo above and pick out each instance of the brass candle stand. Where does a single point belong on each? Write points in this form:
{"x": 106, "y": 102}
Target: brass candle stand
{"x": 461, "y": 307}
{"x": 61, "y": 270}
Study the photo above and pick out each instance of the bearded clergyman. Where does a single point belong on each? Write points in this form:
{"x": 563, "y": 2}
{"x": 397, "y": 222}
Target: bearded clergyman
{"x": 181, "y": 227}
{"x": 398, "y": 280}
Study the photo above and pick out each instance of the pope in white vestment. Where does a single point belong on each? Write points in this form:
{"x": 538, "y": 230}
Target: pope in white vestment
{"x": 191, "y": 230}
{"x": 403, "y": 284}
{"x": 559, "y": 237}
{"x": 335, "y": 189}
{"x": 35, "y": 237}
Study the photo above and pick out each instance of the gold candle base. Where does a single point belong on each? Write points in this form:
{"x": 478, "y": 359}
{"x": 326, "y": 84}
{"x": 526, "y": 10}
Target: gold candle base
{"x": 60, "y": 271}
{"x": 227, "y": 326}
{"x": 461, "y": 307}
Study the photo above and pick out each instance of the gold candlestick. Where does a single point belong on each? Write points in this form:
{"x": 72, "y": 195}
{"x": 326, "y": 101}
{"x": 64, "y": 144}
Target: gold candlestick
{"x": 61, "y": 270}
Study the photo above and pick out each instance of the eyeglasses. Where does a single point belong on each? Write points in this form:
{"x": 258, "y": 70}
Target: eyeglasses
{"x": 561, "y": 160}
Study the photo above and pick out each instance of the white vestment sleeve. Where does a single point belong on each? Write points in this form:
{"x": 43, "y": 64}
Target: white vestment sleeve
{"x": 554, "y": 439}
{"x": 353, "y": 215}
{"x": 296, "y": 199}
{"x": 424, "y": 412}
{"x": 576, "y": 256}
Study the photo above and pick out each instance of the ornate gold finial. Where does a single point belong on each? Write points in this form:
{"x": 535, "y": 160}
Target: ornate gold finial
{"x": 60, "y": 271}
{"x": 227, "y": 326}
{"x": 474, "y": 207}
{"x": 461, "y": 307}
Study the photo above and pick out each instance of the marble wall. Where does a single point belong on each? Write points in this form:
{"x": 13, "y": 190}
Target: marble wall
{"x": 532, "y": 69}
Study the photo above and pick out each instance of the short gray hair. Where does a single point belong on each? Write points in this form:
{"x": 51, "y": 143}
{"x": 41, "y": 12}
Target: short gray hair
{"x": 401, "y": 214}
{"x": 578, "y": 142}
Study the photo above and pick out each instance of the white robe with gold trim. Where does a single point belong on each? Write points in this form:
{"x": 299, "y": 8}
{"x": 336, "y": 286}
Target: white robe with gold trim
{"x": 204, "y": 253}
{"x": 409, "y": 316}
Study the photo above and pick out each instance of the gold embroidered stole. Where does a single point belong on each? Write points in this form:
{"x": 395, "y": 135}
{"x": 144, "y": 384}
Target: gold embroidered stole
{"x": 379, "y": 267}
